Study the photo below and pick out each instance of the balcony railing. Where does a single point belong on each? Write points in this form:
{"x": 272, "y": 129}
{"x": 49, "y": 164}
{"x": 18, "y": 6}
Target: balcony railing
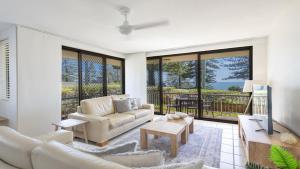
{"x": 214, "y": 105}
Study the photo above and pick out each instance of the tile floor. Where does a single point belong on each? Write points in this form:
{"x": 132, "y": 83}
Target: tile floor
{"x": 232, "y": 152}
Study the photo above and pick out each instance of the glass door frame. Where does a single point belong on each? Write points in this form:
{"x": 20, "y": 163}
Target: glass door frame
{"x": 198, "y": 77}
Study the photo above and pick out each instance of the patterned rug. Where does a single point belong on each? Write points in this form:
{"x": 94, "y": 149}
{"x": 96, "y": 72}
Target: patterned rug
{"x": 204, "y": 143}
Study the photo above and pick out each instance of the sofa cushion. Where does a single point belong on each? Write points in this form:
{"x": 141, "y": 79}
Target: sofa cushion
{"x": 54, "y": 155}
{"x": 99, "y": 106}
{"x": 15, "y": 148}
{"x": 122, "y": 105}
{"x": 139, "y": 113}
{"x": 119, "y": 119}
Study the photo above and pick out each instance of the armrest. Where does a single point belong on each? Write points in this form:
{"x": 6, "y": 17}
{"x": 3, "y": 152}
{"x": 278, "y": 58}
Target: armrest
{"x": 148, "y": 106}
{"x": 88, "y": 117}
{"x": 62, "y": 136}
{"x": 97, "y": 126}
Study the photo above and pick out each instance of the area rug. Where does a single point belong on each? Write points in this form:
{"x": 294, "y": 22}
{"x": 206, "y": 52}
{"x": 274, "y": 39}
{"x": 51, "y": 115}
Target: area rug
{"x": 204, "y": 143}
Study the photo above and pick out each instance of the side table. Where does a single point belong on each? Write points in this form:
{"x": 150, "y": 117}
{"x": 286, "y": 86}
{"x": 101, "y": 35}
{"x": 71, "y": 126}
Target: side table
{"x": 70, "y": 123}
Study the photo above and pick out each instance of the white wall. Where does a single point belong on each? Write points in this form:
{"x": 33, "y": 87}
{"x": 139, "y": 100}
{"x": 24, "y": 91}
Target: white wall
{"x": 8, "y": 108}
{"x": 136, "y": 76}
{"x": 284, "y": 67}
{"x": 39, "y": 78}
{"x": 260, "y": 61}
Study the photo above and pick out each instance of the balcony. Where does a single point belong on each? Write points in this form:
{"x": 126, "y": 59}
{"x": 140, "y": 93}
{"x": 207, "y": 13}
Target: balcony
{"x": 214, "y": 105}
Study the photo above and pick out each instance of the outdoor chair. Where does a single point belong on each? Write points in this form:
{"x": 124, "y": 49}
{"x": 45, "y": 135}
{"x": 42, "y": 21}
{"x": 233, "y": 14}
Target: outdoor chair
{"x": 207, "y": 105}
{"x": 192, "y": 106}
{"x": 171, "y": 103}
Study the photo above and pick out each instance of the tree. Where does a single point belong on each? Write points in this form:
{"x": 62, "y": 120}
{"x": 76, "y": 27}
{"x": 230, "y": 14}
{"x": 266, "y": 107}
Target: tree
{"x": 208, "y": 70}
{"x": 239, "y": 67}
{"x": 180, "y": 70}
{"x": 235, "y": 88}
{"x": 69, "y": 70}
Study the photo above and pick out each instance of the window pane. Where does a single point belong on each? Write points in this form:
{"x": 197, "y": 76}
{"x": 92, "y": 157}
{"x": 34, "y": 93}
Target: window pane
{"x": 114, "y": 76}
{"x": 70, "y": 97}
{"x": 223, "y": 76}
{"x": 92, "y": 76}
{"x": 153, "y": 80}
{"x": 180, "y": 91}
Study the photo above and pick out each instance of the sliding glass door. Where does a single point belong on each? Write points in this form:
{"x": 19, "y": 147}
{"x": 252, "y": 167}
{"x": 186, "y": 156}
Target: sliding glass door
{"x": 223, "y": 74}
{"x": 206, "y": 85}
{"x": 179, "y": 78}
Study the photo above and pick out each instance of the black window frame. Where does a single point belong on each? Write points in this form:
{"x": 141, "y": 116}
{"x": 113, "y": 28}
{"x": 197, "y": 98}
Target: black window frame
{"x": 198, "y": 77}
{"x": 81, "y": 52}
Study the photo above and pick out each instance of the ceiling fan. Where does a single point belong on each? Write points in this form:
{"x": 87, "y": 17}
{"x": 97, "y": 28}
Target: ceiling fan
{"x": 126, "y": 28}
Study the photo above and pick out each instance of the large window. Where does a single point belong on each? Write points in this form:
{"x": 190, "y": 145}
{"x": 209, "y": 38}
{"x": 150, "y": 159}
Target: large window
{"x": 205, "y": 84}
{"x": 88, "y": 75}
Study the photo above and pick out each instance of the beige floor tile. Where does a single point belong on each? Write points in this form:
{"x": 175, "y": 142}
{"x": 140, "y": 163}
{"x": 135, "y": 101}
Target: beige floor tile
{"x": 226, "y": 148}
{"x": 226, "y": 166}
{"x": 239, "y": 151}
{"x": 227, "y": 158}
{"x": 237, "y": 143}
{"x": 228, "y": 136}
{"x": 238, "y": 167}
{"x": 227, "y": 141}
{"x": 239, "y": 160}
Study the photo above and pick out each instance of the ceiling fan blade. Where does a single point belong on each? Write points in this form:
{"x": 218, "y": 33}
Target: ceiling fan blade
{"x": 151, "y": 25}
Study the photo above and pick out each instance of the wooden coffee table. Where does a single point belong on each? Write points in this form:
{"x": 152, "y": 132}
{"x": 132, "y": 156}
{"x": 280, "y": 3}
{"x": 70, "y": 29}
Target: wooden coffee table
{"x": 70, "y": 123}
{"x": 166, "y": 129}
{"x": 188, "y": 122}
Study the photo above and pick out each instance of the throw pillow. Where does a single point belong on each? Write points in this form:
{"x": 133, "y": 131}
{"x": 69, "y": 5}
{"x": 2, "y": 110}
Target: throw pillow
{"x": 122, "y": 105}
{"x": 134, "y": 104}
{"x": 139, "y": 103}
{"x": 137, "y": 159}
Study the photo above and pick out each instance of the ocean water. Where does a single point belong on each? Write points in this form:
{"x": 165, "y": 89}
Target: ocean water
{"x": 226, "y": 85}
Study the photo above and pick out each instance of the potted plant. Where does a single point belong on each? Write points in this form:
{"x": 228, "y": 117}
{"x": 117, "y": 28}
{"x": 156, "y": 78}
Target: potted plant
{"x": 281, "y": 158}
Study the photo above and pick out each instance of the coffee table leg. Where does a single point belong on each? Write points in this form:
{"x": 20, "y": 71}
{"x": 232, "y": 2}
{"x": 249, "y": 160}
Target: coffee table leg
{"x": 144, "y": 139}
{"x": 174, "y": 146}
{"x": 85, "y": 133}
{"x": 184, "y": 136}
{"x": 191, "y": 127}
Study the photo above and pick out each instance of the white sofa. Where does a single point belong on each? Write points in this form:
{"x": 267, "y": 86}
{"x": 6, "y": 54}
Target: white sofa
{"x": 21, "y": 152}
{"x": 104, "y": 122}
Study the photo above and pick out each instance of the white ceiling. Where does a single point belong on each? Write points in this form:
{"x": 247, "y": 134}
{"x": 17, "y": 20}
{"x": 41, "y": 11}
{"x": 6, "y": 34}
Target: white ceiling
{"x": 192, "y": 22}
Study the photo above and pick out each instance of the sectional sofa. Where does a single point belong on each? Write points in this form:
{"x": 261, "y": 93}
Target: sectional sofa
{"x": 50, "y": 152}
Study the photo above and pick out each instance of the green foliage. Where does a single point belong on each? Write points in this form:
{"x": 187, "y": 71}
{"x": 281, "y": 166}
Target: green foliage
{"x": 238, "y": 66}
{"x": 251, "y": 165}
{"x": 234, "y": 88}
{"x": 282, "y": 158}
{"x": 178, "y": 71}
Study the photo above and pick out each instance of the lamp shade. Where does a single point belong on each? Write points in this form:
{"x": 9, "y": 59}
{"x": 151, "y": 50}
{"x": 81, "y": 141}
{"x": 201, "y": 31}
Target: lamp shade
{"x": 248, "y": 86}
